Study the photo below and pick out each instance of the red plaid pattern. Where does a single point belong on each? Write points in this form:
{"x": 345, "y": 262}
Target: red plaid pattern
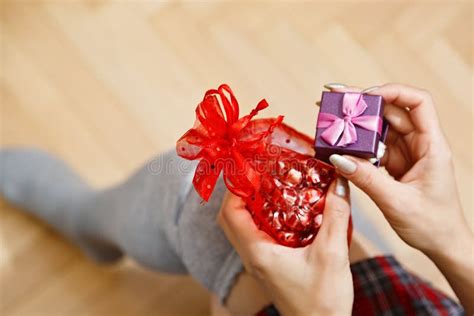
{"x": 383, "y": 287}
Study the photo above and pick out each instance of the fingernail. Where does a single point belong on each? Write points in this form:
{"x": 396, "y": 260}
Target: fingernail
{"x": 341, "y": 187}
{"x": 373, "y": 160}
{"x": 370, "y": 89}
{"x": 318, "y": 103}
{"x": 318, "y": 220}
{"x": 343, "y": 164}
{"x": 334, "y": 85}
{"x": 381, "y": 150}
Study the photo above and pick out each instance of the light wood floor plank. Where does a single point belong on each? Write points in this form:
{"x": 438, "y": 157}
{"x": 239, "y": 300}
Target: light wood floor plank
{"x": 107, "y": 84}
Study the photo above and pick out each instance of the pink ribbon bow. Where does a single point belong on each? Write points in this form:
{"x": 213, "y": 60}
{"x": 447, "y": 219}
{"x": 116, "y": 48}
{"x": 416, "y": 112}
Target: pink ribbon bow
{"x": 353, "y": 106}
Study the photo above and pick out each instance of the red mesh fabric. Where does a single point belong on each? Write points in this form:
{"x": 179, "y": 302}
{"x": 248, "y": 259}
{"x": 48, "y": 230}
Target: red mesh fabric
{"x": 267, "y": 163}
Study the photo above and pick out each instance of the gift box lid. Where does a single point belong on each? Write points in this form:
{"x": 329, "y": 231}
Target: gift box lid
{"x": 367, "y": 142}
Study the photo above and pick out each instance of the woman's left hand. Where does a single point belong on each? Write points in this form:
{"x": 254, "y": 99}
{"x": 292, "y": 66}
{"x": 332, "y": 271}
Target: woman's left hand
{"x": 314, "y": 280}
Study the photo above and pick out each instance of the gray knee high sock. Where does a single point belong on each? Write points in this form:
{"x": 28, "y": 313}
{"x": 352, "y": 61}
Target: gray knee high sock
{"x": 127, "y": 218}
{"x": 154, "y": 216}
{"x": 47, "y": 188}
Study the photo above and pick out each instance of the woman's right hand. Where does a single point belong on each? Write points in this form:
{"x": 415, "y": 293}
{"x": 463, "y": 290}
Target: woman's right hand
{"x": 420, "y": 198}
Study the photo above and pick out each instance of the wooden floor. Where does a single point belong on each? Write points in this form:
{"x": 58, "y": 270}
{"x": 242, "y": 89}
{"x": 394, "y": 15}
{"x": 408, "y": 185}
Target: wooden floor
{"x": 106, "y": 85}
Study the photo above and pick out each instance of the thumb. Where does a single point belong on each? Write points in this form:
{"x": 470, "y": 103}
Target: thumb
{"x": 337, "y": 212}
{"x": 380, "y": 187}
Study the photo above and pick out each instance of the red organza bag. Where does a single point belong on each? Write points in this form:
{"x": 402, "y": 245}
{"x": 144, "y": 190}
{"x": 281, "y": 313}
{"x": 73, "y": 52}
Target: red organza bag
{"x": 265, "y": 162}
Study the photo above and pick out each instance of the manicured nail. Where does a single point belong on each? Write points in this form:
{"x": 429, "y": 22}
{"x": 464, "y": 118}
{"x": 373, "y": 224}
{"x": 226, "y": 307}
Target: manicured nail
{"x": 381, "y": 150}
{"x": 370, "y": 89}
{"x": 373, "y": 160}
{"x": 318, "y": 220}
{"x": 334, "y": 85}
{"x": 341, "y": 187}
{"x": 380, "y": 153}
{"x": 343, "y": 164}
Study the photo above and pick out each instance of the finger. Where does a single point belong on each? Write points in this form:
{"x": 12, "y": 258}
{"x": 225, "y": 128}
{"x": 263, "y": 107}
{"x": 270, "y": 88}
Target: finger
{"x": 379, "y": 186}
{"x": 340, "y": 87}
{"x": 399, "y": 119}
{"x": 238, "y": 224}
{"x": 333, "y": 232}
{"x": 396, "y": 160}
{"x": 392, "y": 137}
{"x": 392, "y": 140}
{"x": 230, "y": 202}
{"x": 230, "y": 206}
{"x": 419, "y": 102}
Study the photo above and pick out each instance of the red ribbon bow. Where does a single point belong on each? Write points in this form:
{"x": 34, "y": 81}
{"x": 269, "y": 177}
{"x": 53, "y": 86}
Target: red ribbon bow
{"x": 222, "y": 144}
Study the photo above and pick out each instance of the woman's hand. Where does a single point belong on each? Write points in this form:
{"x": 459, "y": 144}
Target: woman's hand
{"x": 420, "y": 200}
{"x": 314, "y": 280}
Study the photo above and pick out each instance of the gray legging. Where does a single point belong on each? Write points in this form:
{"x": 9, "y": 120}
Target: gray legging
{"x": 155, "y": 216}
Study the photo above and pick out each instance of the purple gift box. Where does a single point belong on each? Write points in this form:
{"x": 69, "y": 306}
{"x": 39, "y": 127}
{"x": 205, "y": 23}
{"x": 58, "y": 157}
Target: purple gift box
{"x": 350, "y": 123}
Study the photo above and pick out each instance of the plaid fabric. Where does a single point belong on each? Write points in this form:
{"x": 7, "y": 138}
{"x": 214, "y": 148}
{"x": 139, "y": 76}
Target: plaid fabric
{"x": 383, "y": 287}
